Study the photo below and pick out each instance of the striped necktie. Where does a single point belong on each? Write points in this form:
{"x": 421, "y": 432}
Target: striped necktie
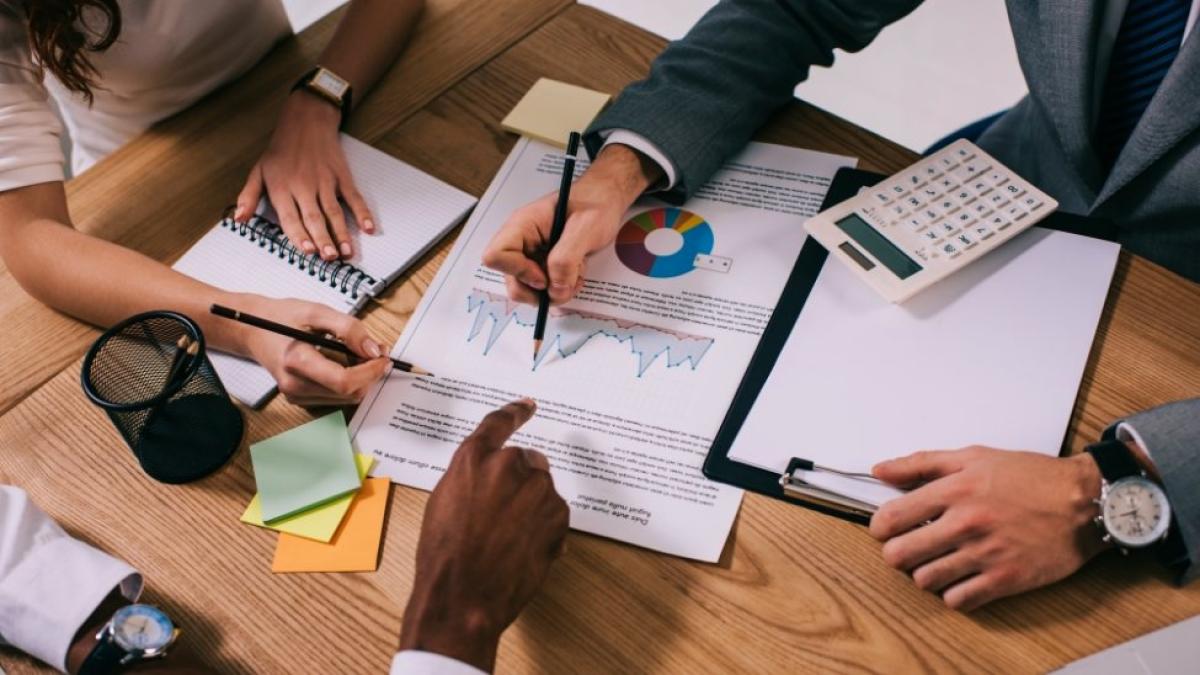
{"x": 1146, "y": 45}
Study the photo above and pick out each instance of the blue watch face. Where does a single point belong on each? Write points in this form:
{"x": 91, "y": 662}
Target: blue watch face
{"x": 142, "y": 628}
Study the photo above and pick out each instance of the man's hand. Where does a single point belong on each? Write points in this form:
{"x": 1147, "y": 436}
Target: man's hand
{"x": 304, "y": 374}
{"x": 982, "y": 524}
{"x": 492, "y": 527}
{"x": 599, "y": 200}
{"x": 304, "y": 173}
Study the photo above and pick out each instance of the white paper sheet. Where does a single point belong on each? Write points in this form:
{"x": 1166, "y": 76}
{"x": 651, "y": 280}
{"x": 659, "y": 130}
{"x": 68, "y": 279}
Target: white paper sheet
{"x": 636, "y": 374}
{"x": 993, "y": 355}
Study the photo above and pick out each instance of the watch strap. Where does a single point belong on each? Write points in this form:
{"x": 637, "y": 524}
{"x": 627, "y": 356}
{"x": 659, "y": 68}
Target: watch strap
{"x": 1114, "y": 459}
{"x": 105, "y": 658}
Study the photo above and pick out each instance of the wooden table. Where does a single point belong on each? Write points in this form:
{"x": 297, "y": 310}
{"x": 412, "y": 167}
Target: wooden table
{"x": 794, "y": 591}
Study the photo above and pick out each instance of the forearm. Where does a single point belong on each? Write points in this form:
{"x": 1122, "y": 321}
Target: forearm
{"x": 95, "y": 280}
{"x": 369, "y": 38}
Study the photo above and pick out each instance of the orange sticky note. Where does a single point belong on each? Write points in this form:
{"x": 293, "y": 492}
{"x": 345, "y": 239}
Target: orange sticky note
{"x": 355, "y": 546}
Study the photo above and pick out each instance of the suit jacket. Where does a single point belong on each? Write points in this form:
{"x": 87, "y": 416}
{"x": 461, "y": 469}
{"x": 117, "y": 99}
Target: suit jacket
{"x": 744, "y": 58}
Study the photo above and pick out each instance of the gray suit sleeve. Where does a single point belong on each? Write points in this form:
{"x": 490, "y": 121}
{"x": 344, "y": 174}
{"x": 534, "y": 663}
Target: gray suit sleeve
{"x": 709, "y": 92}
{"x": 1172, "y": 436}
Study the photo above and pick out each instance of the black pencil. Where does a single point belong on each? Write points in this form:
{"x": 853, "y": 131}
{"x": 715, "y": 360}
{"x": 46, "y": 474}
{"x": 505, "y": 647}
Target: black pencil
{"x": 556, "y": 230}
{"x": 303, "y": 336}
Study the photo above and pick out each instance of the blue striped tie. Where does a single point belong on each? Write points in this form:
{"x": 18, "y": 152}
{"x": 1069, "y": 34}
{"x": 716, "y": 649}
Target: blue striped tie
{"x": 1146, "y": 45}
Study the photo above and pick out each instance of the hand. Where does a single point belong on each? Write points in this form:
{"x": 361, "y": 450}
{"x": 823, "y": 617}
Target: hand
{"x": 304, "y": 172}
{"x": 492, "y": 527}
{"x": 599, "y": 200}
{"x": 982, "y": 524}
{"x": 304, "y": 375}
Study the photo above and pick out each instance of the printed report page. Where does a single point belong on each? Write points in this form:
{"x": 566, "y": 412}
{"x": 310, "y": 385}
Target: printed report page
{"x": 635, "y": 374}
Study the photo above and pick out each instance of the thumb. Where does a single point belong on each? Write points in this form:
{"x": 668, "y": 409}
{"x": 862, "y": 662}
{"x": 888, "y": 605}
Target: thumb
{"x": 348, "y": 329}
{"x": 565, "y": 264}
{"x": 917, "y": 468}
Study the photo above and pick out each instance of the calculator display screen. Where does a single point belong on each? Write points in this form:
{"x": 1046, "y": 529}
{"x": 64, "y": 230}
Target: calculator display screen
{"x": 877, "y": 245}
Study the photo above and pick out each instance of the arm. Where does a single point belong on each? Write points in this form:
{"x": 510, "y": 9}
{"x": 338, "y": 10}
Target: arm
{"x": 475, "y": 574}
{"x": 738, "y": 65}
{"x": 303, "y": 171}
{"x": 704, "y": 98}
{"x": 1167, "y": 440}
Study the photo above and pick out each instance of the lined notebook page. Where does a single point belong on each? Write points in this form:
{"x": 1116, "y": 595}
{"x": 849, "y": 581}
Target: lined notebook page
{"x": 412, "y": 211}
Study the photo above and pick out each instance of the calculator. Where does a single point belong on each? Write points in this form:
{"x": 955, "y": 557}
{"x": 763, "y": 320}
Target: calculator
{"x": 929, "y": 220}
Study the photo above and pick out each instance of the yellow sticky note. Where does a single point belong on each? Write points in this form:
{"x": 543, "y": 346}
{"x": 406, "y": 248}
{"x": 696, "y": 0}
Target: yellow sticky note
{"x": 320, "y": 523}
{"x": 551, "y": 110}
{"x": 355, "y": 547}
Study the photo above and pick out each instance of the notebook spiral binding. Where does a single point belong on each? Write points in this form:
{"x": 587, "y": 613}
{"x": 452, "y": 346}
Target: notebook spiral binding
{"x": 268, "y": 235}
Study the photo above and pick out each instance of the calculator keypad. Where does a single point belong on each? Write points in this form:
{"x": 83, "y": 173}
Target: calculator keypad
{"x": 949, "y": 204}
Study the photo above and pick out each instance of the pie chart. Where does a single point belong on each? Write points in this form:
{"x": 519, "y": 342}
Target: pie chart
{"x": 663, "y": 242}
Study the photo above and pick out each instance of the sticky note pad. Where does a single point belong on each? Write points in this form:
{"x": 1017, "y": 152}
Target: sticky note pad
{"x": 355, "y": 547}
{"x": 551, "y": 110}
{"x": 305, "y": 467}
{"x": 319, "y": 523}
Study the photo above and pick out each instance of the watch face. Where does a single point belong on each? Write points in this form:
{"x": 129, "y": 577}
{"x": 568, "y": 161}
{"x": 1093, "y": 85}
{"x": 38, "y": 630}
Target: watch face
{"x": 142, "y": 628}
{"x": 1136, "y": 512}
{"x": 331, "y": 83}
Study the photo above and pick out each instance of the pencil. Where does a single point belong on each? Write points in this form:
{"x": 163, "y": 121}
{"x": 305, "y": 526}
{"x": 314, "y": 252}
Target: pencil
{"x": 556, "y": 230}
{"x": 304, "y": 336}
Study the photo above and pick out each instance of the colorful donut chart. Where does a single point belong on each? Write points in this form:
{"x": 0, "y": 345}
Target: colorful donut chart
{"x": 631, "y": 242}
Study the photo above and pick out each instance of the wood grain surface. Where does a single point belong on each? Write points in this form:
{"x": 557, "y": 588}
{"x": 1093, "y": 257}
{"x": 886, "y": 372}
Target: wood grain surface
{"x": 793, "y": 592}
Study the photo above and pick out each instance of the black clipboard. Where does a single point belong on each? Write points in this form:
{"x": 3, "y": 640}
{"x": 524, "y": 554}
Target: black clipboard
{"x": 718, "y": 466}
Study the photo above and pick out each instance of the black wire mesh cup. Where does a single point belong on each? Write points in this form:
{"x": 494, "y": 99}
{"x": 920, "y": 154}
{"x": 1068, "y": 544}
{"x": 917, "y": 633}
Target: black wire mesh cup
{"x": 169, "y": 405}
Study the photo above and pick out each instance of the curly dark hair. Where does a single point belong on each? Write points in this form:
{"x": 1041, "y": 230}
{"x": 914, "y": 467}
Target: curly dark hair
{"x": 63, "y": 33}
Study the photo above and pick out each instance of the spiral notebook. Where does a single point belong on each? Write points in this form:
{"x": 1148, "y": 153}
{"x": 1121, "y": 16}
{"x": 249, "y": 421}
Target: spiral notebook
{"x": 412, "y": 211}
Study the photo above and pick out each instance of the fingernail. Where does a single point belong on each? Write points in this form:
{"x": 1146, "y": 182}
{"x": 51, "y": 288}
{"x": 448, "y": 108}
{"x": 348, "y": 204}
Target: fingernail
{"x": 536, "y": 284}
{"x": 368, "y": 225}
{"x": 346, "y": 250}
{"x": 561, "y": 288}
{"x": 372, "y": 348}
{"x": 528, "y": 403}
{"x": 308, "y": 246}
{"x": 329, "y": 251}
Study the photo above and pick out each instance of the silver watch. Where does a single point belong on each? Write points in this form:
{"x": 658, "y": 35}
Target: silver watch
{"x": 1134, "y": 512}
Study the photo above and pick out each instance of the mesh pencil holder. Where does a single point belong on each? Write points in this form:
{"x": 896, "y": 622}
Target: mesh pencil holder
{"x": 151, "y": 375}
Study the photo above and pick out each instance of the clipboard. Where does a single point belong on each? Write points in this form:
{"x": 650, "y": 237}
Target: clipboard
{"x": 718, "y": 465}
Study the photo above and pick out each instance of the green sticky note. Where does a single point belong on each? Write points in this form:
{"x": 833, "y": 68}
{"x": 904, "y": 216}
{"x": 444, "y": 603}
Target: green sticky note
{"x": 308, "y": 466}
{"x": 318, "y": 524}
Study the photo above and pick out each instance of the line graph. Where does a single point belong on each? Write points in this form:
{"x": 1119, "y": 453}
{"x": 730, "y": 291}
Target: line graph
{"x": 570, "y": 329}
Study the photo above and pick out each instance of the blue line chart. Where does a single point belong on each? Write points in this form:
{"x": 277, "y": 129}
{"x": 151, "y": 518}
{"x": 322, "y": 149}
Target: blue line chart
{"x": 569, "y": 330}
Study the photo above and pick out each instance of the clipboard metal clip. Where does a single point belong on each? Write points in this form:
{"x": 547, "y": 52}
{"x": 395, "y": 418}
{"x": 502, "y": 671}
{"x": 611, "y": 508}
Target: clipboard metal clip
{"x": 797, "y": 488}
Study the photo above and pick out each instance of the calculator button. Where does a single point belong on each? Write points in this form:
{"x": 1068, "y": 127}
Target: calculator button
{"x": 1015, "y": 212}
{"x": 980, "y": 208}
{"x": 896, "y": 190}
{"x": 947, "y": 183}
{"x": 1013, "y": 191}
{"x": 997, "y": 199}
{"x": 931, "y": 171}
{"x": 999, "y": 221}
{"x": 913, "y": 201}
{"x": 922, "y": 253}
{"x": 897, "y": 210}
{"x": 1030, "y": 202}
{"x": 950, "y": 249}
{"x": 997, "y": 178}
{"x": 882, "y": 197}
{"x": 930, "y": 213}
{"x": 982, "y": 231}
{"x": 929, "y": 192}
{"x": 968, "y": 171}
{"x": 964, "y": 218}
{"x": 947, "y": 204}
{"x": 964, "y": 153}
{"x": 914, "y": 223}
{"x": 948, "y": 162}
{"x": 965, "y": 240}
{"x": 964, "y": 195}
{"x": 912, "y": 180}
{"x": 947, "y": 226}
{"x": 980, "y": 186}
{"x": 932, "y": 234}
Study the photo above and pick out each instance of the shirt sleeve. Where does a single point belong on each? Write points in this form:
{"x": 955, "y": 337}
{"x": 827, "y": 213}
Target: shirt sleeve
{"x": 649, "y": 149}
{"x": 30, "y": 130}
{"x": 428, "y": 663}
{"x": 50, "y": 583}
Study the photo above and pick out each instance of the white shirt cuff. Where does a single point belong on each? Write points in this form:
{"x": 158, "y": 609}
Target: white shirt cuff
{"x": 50, "y": 583}
{"x": 428, "y": 663}
{"x": 646, "y": 147}
{"x": 1126, "y": 433}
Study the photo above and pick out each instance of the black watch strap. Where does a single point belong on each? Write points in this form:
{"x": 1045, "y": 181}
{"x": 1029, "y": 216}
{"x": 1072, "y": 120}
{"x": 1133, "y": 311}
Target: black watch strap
{"x": 104, "y": 659}
{"x": 1114, "y": 459}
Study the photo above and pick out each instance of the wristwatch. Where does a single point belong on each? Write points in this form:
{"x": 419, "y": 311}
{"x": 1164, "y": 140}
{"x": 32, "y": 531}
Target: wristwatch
{"x": 1134, "y": 510}
{"x": 328, "y": 85}
{"x": 134, "y": 633}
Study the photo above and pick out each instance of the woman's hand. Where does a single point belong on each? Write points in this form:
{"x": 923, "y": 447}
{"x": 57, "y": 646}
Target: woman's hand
{"x": 304, "y": 173}
{"x": 305, "y": 375}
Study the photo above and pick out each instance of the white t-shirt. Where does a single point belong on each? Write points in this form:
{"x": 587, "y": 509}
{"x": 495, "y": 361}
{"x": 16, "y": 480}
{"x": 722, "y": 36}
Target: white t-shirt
{"x": 168, "y": 55}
